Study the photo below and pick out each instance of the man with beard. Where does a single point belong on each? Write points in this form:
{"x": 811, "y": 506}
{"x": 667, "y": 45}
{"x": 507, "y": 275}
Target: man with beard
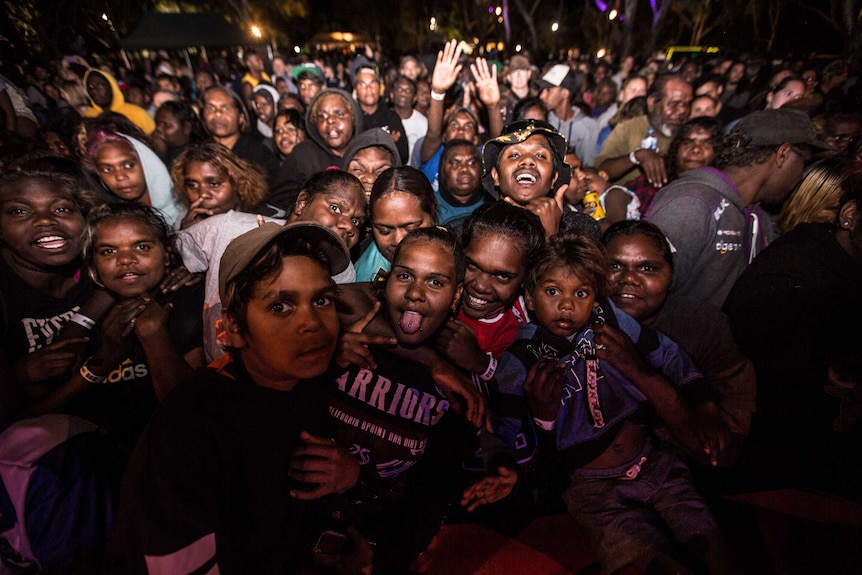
{"x": 639, "y": 144}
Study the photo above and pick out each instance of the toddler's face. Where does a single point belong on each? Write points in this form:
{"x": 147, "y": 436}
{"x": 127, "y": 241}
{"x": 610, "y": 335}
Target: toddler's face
{"x": 562, "y": 302}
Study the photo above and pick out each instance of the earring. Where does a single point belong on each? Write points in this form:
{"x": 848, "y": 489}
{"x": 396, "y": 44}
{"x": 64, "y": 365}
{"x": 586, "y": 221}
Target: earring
{"x": 845, "y": 224}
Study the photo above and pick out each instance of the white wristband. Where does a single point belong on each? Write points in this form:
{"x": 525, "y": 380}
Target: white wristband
{"x": 89, "y": 375}
{"x": 438, "y": 97}
{"x": 544, "y": 424}
{"x": 633, "y": 159}
{"x": 492, "y": 367}
{"x": 82, "y": 320}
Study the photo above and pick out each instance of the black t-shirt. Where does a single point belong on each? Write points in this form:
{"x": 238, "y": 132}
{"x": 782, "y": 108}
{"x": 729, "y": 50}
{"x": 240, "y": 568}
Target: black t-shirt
{"x": 209, "y": 478}
{"x": 409, "y": 447}
{"x": 255, "y": 152}
{"x": 29, "y": 320}
{"x": 124, "y": 402}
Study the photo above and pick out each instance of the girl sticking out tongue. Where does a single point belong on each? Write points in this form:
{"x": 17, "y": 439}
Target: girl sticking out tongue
{"x": 424, "y": 285}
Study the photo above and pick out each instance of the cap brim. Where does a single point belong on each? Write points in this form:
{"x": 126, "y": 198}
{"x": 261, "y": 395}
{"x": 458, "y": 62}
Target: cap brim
{"x": 246, "y": 247}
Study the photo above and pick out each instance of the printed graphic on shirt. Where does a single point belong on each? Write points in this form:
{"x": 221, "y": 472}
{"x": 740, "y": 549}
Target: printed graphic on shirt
{"x": 384, "y": 422}
{"x": 41, "y": 331}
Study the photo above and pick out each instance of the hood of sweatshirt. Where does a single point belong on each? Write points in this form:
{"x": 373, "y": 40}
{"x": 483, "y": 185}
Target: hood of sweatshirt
{"x": 311, "y": 127}
{"x": 368, "y": 138}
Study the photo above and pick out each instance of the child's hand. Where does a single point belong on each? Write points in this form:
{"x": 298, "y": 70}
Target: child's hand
{"x": 490, "y": 489}
{"x": 55, "y": 359}
{"x": 153, "y": 319}
{"x": 352, "y": 347}
{"x": 543, "y": 388}
{"x": 454, "y": 385}
{"x": 322, "y": 462}
{"x": 179, "y": 277}
{"x": 457, "y": 341}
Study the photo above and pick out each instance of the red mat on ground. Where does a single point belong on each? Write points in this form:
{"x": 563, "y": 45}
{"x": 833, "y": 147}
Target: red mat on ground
{"x": 550, "y": 545}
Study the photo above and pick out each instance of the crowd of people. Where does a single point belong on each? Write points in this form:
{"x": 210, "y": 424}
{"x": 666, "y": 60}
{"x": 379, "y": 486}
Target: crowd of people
{"x": 291, "y": 316}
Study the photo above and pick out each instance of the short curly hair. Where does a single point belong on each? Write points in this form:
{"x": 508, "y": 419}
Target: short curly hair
{"x": 247, "y": 181}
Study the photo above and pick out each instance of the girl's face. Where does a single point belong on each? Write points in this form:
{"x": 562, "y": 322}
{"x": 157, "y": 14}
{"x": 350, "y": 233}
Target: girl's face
{"x": 120, "y": 168}
{"x": 286, "y": 135}
{"x": 341, "y": 209}
{"x": 395, "y": 215}
{"x": 421, "y": 291}
{"x": 40, "y": 225}
{"x": 496, "y": 267}
{"x": 640, "y": 276}
{"x": 130, "y": 258}
{"x": 695, "y": 150}
{"x": 206, "y": 182}
{"x": 170, "y": 130}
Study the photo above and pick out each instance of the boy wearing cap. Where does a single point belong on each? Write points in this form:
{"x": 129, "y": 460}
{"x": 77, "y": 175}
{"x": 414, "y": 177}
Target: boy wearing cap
{"x": 526, "y": 167}
{"x": 712, "y": 216}
{"x": 222, "y": 479}
{"x": 560, "y": 87}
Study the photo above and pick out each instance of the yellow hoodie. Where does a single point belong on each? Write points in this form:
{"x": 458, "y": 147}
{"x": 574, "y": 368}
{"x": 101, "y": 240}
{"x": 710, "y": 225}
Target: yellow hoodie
{"x": 135, "y": 114}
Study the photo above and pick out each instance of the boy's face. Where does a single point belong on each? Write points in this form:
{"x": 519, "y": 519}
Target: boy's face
{"x": 562, "y": 302}
{"x": 291, "y": 323}
{"x": 525, "y": 171}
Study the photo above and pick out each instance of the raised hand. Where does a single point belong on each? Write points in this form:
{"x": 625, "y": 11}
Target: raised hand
{"x": 352, "y": 348}
{"x": 485, "y": 79}
{"x": 447, "y": 68}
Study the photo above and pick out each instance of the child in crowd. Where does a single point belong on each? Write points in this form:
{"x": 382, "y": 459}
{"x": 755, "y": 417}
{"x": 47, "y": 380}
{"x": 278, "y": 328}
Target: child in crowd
{"x": 393, "y": 417}
{"x": 401, "y": 200}
{"x": 334, "y": 199}
{"x": 501, "y": 243}
{"x": 618, "y": 202}
{"x": 149, "y": 341}
{"x": 209, "y": 179}
{"x": 132, "y": 172}
{"x": 288, "y": 132}
{"x": 526, "y": 167}
{"x": 590, "y": 394}
{"x": 42, "y": 284}
{"x": 223, "y": 477}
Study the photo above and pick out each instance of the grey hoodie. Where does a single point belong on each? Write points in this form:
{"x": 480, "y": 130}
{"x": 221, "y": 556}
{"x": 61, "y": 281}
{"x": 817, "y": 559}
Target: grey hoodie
{"x": 367, "y": 139}
{"x": 310, "y": 156}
